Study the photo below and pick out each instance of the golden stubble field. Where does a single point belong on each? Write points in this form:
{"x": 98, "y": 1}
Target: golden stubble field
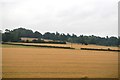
{"x": 28, "y": 62}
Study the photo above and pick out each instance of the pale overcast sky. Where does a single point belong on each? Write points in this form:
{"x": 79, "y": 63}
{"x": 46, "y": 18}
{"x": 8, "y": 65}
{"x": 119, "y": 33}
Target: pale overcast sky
{"x": 87, "y": 17}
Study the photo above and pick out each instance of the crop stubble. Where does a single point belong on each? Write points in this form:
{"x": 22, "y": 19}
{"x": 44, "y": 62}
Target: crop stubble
{"x": 58, "y": 63}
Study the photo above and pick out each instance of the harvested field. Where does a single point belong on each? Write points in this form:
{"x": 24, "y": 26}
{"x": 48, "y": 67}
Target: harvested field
{"x": 28, "y": 62}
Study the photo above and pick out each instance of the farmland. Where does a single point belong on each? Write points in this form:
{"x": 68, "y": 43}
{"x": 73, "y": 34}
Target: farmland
{"x": 34, "y": 62}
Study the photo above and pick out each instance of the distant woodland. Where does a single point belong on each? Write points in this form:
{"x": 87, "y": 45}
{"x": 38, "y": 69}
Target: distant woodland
{"x": 16, "y": 34}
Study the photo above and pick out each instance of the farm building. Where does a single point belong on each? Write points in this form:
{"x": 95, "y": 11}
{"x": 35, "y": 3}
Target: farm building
{"x": 46, "y": 40}
{"x": 28, "y": 39}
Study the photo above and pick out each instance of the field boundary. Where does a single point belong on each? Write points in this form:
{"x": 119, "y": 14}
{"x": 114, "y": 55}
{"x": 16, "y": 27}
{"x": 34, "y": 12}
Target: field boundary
{"x": 60, "y": 47}
{"x": 100, "y": 49}
{"x": 39, "y": 46}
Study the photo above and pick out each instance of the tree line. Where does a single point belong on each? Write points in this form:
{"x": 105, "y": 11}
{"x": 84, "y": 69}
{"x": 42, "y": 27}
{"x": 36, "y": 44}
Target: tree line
{"x": 15, "y": 35}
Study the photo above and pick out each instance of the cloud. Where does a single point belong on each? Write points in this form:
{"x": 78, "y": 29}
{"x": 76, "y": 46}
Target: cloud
{"x": 98, "y": 17}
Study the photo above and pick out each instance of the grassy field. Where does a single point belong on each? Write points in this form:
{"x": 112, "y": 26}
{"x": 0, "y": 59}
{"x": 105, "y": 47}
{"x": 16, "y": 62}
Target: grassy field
{"x": 29, "y": 62}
